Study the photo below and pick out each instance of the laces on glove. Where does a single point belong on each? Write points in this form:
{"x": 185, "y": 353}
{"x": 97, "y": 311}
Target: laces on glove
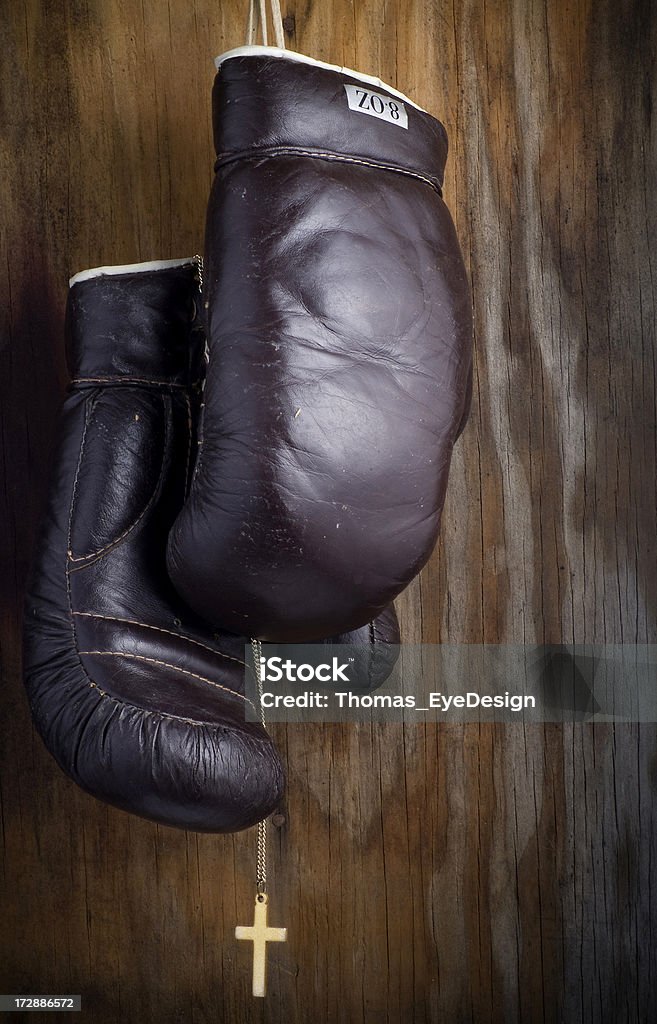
{"x": 258, "y": 18}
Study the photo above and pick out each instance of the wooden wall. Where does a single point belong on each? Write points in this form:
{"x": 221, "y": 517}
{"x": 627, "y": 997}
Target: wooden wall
{"x": 427, "y": 873}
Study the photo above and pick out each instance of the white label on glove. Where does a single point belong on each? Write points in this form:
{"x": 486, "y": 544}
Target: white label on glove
{"x": 376, "y": 105}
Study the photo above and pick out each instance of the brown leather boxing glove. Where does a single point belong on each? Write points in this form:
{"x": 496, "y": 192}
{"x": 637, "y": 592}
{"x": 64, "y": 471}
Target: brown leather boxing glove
{"x": 340, "y": 352}
{"x": 139, "y": 701}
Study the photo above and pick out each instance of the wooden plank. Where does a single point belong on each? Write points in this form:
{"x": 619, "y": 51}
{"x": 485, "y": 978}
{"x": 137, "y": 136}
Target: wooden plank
{"x": 425, "y": 873}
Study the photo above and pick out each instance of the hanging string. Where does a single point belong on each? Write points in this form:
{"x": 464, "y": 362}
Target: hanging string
{"x": 251, "y": 27}
{"x": 277, "y": 18}
{"x": 258, "y": 16}
{"x": 263, "y": 20}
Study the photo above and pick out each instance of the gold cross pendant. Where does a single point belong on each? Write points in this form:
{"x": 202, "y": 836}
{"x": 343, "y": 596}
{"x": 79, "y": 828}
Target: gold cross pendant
{"x": 259, "y": 934}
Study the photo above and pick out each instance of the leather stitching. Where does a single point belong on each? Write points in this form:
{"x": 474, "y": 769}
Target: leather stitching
{"x": 89, "y": 406}
{"x": 165, "y": 664}
{"x": 154, "y": 496}
{"x": 159, "y": 629}
{"x": 199, "y": 448}
{"x": 87, "y": 419}
{"x": 106, "y": 696}
{"x": 126, "y": 380}
{"x": 188, "y": 405}
{"x": 320, "y": 154}
{"x": 154, "y": 714}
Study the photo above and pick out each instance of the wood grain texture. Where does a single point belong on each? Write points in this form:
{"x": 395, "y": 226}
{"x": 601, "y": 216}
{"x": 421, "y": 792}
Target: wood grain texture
{"x": 427, "y": 873}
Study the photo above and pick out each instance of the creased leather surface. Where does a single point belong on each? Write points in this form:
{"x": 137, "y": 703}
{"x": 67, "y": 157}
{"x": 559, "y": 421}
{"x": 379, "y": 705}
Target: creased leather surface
{"x": 340, "y": 358}
{"x": 138, "y": 700}
{"x": 139, "y": 703}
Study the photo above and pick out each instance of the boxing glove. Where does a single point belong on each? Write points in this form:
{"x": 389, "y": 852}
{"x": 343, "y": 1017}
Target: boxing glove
{"x": 139, "y": 702}
{"x": 339, "y": 323}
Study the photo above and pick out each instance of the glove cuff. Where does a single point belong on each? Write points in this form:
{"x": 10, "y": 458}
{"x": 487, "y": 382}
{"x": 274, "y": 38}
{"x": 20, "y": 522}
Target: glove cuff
{"x": 145, "y": 334}
{"x": 268, "y": 101}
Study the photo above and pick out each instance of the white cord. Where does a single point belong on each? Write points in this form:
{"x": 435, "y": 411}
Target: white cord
{"x": 258, "y": 16}
{"x": 263, "y": 21}
{"x": 277, "y": 18}
{"x": 251, "y": 27}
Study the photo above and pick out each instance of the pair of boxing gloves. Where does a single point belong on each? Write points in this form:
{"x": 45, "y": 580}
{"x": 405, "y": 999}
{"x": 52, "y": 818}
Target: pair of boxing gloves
{"x": 286, "y": 491}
